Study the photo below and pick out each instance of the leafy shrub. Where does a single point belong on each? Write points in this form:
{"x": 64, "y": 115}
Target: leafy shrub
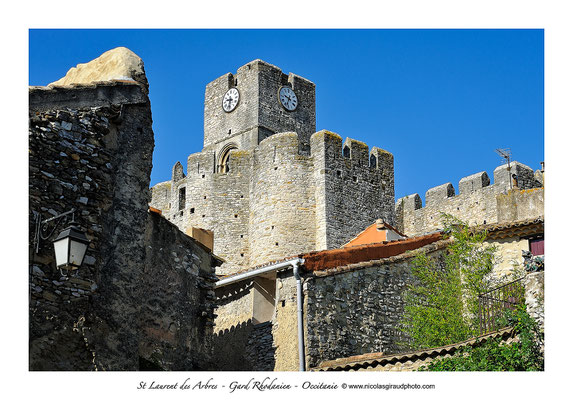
{"x": 442, "y": 306}
{"x": 495, "y": 355}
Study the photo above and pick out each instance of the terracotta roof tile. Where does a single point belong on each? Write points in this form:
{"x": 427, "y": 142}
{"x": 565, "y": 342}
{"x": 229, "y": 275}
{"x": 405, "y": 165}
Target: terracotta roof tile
{"x": 364, "y": 361}
{"x": 328, "y": 259}
{"x": 524, "y": 227}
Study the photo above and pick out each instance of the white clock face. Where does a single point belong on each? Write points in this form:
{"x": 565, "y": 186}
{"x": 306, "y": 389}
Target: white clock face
{"x": 288, "y": 98}
{"x": 230, "y": 100}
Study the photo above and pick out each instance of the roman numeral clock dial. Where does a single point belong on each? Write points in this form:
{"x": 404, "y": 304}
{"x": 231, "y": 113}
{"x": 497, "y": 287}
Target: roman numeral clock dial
{"x": 230, "y": 100}
{"x": 287, "y": 98}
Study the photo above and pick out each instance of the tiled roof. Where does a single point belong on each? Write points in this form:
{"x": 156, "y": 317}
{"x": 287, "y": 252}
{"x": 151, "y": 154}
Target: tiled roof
{"x": 375, "y": 233}
{"x": 524, "y": 227}
{"x": 334, "y": 261}
{"x": 327, "y": 259}
{"x": 372, "y": 360}
{"x": 155, "y": 210}
{"x": 440, "y": 244}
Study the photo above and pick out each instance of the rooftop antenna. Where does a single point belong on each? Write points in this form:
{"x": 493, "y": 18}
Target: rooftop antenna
{"x": 506, "y": 155}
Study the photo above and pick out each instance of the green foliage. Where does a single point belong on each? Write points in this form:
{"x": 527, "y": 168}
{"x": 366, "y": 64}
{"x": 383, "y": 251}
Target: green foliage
{"x": 442, "y": 307}
{"x": 495, "y": 355}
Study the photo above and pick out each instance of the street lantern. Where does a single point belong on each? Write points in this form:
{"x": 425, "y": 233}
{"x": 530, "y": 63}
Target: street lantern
{"x": 70, "y": 247}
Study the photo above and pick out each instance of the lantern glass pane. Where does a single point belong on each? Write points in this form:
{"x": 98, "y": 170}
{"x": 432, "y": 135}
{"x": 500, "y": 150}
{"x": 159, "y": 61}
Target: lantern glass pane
{"x": 61, "y": 250}
{"x": 77, "y": 252}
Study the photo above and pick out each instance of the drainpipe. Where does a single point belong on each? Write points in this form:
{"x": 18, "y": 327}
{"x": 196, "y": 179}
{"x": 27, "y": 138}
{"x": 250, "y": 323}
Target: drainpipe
{"x": 295, "y": 266}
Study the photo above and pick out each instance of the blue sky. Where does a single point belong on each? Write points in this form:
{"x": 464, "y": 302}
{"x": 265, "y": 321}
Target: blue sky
{"x": 441, "y": 101}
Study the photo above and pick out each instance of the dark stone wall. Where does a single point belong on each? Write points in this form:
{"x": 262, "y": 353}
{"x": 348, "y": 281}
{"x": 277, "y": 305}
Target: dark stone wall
{"x": 358, "y": 310}
{"x": 178, "y": 308}
{"x": 245, "y": 347}
{"x": 75, "y": 163}
{"x": 231, "y": 345}
{"x": 90, "y": 149}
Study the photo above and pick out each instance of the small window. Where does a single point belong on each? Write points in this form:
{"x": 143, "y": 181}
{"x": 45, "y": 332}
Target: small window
{"x": 537, "y": 246}
{"x": 192, "y": 211}
{"x": 346, "y": 152}
{"x": 181, "y": 198}
{"x": 373, "y": 161}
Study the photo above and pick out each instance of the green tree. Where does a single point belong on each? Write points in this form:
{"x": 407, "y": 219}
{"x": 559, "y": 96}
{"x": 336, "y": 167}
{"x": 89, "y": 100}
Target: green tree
{"x": 496, "y": 355}
{"x": 442, "y": 306}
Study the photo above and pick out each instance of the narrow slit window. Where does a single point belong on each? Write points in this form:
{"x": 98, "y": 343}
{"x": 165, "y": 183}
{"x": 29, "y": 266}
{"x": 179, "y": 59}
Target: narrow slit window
{"x": 181, "y": 198}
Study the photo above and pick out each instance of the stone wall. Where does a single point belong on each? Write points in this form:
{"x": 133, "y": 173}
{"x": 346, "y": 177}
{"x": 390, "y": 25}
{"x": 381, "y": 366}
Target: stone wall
{"x": 244, "y": 345}
{"x": 282, "y": 208}
{"x": 508, "y": 257}
{"x": 285, "y": 324}
{"x": 357, "y": 310}
{"x": 177, "y": 313}
{"x": 354, "y": 187}
{"x": 535, "y": 296}
{"x": 233, "y": 326}
{"x": 476, "y": 203}
{"x": 275, "y": 201}
{"x": 90, "y": 150}
{"x": 518, "y": 205}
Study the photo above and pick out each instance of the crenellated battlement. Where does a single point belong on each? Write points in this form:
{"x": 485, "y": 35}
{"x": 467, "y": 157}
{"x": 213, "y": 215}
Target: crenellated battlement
{"x": 350, "y": 153}
{"x": 276, "y": 198}
{"x": 474, "y": 203}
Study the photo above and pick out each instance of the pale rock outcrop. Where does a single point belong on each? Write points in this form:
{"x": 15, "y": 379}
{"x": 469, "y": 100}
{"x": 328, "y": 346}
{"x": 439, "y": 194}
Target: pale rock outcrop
{"x": 114, "y": 65}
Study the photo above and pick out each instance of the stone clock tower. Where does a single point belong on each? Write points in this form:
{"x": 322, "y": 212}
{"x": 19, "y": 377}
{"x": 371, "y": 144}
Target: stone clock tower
{"x": 268, "y": 186}
{"x": 258, "y": 101}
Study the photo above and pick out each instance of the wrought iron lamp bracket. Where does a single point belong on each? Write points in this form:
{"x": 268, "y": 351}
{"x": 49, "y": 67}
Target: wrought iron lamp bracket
{"x": 43, "y": 231}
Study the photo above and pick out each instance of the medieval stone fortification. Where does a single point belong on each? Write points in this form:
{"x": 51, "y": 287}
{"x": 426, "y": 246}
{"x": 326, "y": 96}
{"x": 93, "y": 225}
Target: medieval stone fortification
{"x": 266, "y": 184}
{"x": 478, "y": 202}
{"x": 265, "y": 188}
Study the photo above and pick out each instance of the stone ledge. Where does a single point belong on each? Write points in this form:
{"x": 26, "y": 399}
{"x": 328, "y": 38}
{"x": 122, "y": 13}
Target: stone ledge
{"x": 98, "y": 94}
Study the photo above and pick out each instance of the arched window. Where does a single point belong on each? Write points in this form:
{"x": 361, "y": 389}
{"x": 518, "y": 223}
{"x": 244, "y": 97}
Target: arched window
{"x": 373, "y": 161}
{"x": 223, "y": 163}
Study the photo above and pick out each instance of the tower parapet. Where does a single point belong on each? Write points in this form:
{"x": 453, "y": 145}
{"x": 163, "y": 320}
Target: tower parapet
{"x": 352, "y": 191}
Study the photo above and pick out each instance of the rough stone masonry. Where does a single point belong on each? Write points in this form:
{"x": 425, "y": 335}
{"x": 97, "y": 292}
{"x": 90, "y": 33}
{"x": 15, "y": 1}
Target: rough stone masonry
{"x": 90, "y": 148}
{"x": 266, "y": 184}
